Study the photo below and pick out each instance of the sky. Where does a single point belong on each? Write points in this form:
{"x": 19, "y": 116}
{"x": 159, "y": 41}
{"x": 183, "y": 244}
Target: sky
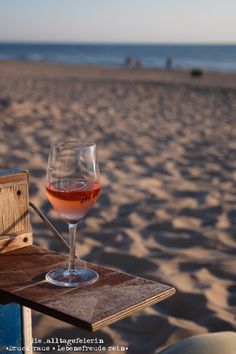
{"x": 118, "y": 21}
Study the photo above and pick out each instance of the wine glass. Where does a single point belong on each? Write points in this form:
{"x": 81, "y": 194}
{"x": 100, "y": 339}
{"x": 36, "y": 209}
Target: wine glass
{"x": 72, "y": 187}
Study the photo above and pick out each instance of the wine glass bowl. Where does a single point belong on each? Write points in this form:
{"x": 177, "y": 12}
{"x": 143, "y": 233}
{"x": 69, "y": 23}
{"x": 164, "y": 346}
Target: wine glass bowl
{"x": 72, "y": 187}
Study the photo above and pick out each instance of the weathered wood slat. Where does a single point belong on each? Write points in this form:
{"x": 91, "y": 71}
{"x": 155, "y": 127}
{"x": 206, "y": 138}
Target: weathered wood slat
{"x": 15, "y": 229}
{"x": 13, "y": 176}
{"x": 114, "y": 296}
{"x": 27, "y": 329}
{"x": 10, "y": 243}
{"x": 14, "y": 213}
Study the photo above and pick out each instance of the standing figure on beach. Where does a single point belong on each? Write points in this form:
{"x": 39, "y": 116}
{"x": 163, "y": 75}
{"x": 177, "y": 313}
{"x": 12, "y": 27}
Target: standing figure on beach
{"x": 128, "y": 62}
{"x": 138, "y": 63}
{"x": 168, "y": 63}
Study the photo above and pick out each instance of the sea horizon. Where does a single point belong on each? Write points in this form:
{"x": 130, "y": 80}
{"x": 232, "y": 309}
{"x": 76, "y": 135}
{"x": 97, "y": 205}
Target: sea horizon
{"x": 210, "y": 57}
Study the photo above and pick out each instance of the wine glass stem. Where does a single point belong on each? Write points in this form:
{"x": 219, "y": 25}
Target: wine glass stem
{"x": 72, "y": 234}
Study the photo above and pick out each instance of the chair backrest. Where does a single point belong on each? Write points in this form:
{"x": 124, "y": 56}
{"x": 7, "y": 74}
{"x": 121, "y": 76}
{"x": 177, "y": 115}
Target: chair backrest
{"x": 15, "y": 228}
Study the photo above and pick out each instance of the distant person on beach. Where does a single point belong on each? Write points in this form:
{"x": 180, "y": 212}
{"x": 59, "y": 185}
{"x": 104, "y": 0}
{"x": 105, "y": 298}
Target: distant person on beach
{"x": 138, "y": 63}
{"x": 128, "y": 62}
{"x": 168, "y": 63}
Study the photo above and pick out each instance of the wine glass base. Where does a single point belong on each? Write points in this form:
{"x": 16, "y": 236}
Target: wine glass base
{"x": 78, "y": 277}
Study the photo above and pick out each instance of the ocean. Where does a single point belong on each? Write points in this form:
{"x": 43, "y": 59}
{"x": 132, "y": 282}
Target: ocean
{"x": 205, "y": 57}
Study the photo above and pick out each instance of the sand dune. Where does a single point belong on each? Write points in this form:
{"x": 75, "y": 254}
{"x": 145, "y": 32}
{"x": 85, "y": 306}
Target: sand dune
{"x": 167, "y": 150}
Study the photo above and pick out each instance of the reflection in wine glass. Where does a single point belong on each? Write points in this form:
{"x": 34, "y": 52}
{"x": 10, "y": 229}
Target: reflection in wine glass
{"x": 72, "y": 187}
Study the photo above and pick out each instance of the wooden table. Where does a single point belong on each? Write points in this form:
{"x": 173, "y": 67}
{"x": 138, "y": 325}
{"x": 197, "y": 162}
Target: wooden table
{"x": 114, "y": 296}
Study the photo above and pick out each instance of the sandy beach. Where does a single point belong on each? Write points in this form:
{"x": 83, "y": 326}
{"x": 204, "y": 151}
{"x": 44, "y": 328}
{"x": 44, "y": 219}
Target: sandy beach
{"x": 167, "y": 151}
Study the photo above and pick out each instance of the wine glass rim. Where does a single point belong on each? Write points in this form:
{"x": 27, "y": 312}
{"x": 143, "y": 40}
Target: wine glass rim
{"x": 73, "y": 142}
